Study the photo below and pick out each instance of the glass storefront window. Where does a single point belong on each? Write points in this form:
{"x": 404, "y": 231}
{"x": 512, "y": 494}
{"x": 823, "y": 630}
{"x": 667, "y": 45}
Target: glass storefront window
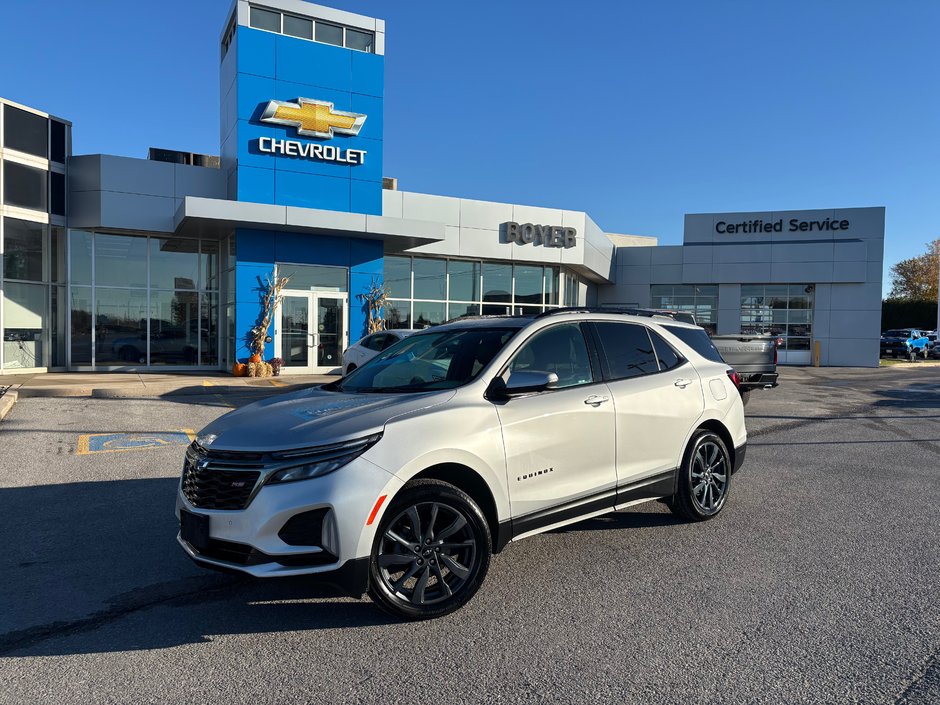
{"x": 175, "y": 328}
{"x": 120, "y": 327}
{"x": 209, "y": 330}
{"x": 120, "y": 260}
{"x": 209, "y": 264}
{"x": 497, "y": 283}
{"x": 24, "y": 322}
{"x": 58, "y": 256}
{"x": 529, "y": 282}
{"x": 24, "y": 245}
{"x": 464, "y": 280}
{"x": 174, "y": 263}
{"x": 456, "y": 310}
{"x": 398, "y": 277}
{"x": 551, "y": 286}
{"x": 427, "y": 313}
{"x": 429, "y": 281}
{"x": 314, "y": 278}
{"x": 80, "y": 256}
{"x": 398, "y": 314}
{"x": 80, "y": 334}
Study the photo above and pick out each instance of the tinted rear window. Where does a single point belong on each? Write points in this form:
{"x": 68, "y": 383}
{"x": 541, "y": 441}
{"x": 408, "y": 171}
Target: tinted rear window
{"x": 627, "y": 349}
{"x": 698, "y": 340}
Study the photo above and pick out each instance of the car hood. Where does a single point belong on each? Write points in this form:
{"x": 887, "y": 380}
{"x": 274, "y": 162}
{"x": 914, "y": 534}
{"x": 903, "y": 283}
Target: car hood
{"x": 311, "y": 417}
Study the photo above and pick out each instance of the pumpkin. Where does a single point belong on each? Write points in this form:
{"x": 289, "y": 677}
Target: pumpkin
{"x": 239, "y": 369}
{"x": 255, "y": 358}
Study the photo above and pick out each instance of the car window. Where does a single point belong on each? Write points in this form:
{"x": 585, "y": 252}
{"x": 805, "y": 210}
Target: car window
{"x": 667, "y": 358}
{"x": 698, "y": 340}
{"x": 389, "y": 341}
{"x": 559, "y": 349}
{"x": 627, "y": 349}
{"x": 374, "y": 342}
{"x": 428, "y": 361}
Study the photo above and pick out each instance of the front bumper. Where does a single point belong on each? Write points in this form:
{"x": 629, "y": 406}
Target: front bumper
{"x": 247, "y": 540}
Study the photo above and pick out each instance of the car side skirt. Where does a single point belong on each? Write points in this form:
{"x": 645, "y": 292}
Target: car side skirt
{"x": 655, "y": 487}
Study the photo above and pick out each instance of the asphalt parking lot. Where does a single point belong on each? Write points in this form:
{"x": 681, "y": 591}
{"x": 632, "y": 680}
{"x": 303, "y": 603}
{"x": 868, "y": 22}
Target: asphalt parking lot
{"x": 819, "y": 583}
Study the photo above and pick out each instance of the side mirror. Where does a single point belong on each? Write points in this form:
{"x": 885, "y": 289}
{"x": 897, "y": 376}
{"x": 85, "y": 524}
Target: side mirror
{"x": 522, "y": 382}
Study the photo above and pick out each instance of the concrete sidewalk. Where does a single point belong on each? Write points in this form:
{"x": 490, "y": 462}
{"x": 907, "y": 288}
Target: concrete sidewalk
{"x": 119, "y": 385}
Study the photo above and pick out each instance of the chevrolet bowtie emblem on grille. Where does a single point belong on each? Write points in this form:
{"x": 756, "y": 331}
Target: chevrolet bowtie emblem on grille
{"x": 313, "y": 118}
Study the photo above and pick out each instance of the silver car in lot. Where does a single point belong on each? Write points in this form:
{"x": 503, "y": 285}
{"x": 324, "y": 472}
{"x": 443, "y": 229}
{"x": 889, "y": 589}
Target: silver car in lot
{"x": 363, "y": 350}
{"x": 404, "y": 477}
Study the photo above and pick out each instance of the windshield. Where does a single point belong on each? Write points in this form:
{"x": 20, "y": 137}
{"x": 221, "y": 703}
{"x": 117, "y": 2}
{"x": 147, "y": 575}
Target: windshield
{"x": 898, "y": 334}
{"x": 429, "y": 361}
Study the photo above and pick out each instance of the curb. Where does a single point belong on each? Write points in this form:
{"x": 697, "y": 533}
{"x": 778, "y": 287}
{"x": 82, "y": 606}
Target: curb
{"x": 6, "y": 403}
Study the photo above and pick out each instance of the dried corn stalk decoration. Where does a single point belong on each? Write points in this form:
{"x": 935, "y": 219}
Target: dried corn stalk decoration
{"x": 375, "y": 299}
{"x": 270, "y": 300}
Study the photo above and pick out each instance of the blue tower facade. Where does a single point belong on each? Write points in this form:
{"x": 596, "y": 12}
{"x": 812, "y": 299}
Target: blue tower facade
{"x": 301, "y": 123}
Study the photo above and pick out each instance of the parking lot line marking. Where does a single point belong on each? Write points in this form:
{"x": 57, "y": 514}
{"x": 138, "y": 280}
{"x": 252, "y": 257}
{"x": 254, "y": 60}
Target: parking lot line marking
{"x": 91, "y": 443}
{"x": 207, "y": 383}
{"x": 277, "y": 383}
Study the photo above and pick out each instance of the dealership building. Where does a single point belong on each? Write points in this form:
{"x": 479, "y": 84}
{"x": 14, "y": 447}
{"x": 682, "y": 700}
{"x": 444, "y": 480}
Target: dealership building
{"x": 117, "y": 263}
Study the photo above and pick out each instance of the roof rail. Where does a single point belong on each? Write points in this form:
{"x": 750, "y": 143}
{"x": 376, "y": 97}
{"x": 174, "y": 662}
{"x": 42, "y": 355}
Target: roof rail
{"x": 648, "y": 312}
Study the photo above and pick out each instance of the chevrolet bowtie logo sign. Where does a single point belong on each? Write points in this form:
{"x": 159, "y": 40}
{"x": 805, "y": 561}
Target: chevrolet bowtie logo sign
{"x": 313, "y": 118}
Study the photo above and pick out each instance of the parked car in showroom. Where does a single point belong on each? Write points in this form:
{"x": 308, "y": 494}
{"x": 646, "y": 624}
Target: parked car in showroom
{"x": 404, "y": 477}
{"x": 363, "y": 350}
{"x": 909, "y": 343}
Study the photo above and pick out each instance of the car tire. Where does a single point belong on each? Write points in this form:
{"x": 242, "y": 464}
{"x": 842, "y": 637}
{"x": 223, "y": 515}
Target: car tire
{"x": 351, "y": 367}
{"x": 745, "y": 396}
{"x": 411, "y": 575}
{"x": 704, "y": 479}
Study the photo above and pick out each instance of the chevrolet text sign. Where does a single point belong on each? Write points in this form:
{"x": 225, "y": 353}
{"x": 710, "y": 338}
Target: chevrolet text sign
{"x": 545, "y": 235}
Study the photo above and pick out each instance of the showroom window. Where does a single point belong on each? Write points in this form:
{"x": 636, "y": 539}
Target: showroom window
{"x": 144, "y": 301}
{"x": 782, "y": 310}
{"x": 701, "y": 300}
{"x": 426, "y": 291}
{"x": 33, "y": 314}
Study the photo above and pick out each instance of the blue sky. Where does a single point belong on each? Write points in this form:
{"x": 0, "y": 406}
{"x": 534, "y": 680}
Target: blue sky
{"x": 636, "y": 112}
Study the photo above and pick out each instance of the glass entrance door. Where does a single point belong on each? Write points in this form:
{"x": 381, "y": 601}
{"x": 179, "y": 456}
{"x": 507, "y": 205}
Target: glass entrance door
{"x": 311, "y": 331}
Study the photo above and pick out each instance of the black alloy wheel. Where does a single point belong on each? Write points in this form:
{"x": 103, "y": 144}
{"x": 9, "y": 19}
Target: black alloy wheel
{"x": 431, "y": 552}
{"x": 704, "y": 479}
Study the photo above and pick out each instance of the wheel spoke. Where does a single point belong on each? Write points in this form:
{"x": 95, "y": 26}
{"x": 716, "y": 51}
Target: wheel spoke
{"x": 390, "y": 559}
{"x": 699, "y": 487}
{"x": 418, "y": 595}
{"x": 415, "y": 523}
{"x": 705, "y": 501}
{"x": 720, "y": 478}
{"x": 430, "y": 533}
{"x": 395, "y": 537}
{"x": 440, "y": 580}
{"x": 458, "y": 524}
{"x": 461, "y": 571}
{"x": 455, "y": 546}
{"x": 397, "y": 585}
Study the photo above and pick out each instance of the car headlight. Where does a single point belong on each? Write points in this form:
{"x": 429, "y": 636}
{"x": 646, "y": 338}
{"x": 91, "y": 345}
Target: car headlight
{"x": 322, "y": 460}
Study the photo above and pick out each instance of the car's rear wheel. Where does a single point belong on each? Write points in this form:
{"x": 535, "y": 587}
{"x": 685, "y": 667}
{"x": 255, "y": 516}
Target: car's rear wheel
{"x": 431, "y": 551}
{"x": 704, "y": 479}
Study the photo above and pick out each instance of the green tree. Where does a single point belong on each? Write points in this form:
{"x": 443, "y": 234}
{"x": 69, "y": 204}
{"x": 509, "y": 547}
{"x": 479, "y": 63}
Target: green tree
{"x": 915, "y": 279}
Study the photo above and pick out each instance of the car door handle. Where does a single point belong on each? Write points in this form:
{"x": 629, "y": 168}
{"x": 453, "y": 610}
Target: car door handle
{"x": 682, "y": 383}
{"x": 595, "y": 400}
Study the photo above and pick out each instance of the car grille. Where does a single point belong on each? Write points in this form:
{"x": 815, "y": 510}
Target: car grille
{"x": 219, "y": 481}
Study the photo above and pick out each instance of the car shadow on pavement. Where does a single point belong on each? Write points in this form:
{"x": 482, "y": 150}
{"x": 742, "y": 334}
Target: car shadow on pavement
{"x": 80, "y": 557}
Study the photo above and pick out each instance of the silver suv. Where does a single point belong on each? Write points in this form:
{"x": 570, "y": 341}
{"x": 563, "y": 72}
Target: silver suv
{"x": 402, "y": 478}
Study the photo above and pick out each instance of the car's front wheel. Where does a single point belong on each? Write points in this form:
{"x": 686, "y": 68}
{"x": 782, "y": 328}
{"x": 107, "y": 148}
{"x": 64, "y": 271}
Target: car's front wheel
{"x": 431, "y": 551}
{"x": 704, "y": 479}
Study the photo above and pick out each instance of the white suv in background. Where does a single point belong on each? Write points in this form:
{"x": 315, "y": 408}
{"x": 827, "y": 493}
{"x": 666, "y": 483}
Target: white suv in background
{"x": 360, "y": 352}
{"x": 402, "y": 478}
